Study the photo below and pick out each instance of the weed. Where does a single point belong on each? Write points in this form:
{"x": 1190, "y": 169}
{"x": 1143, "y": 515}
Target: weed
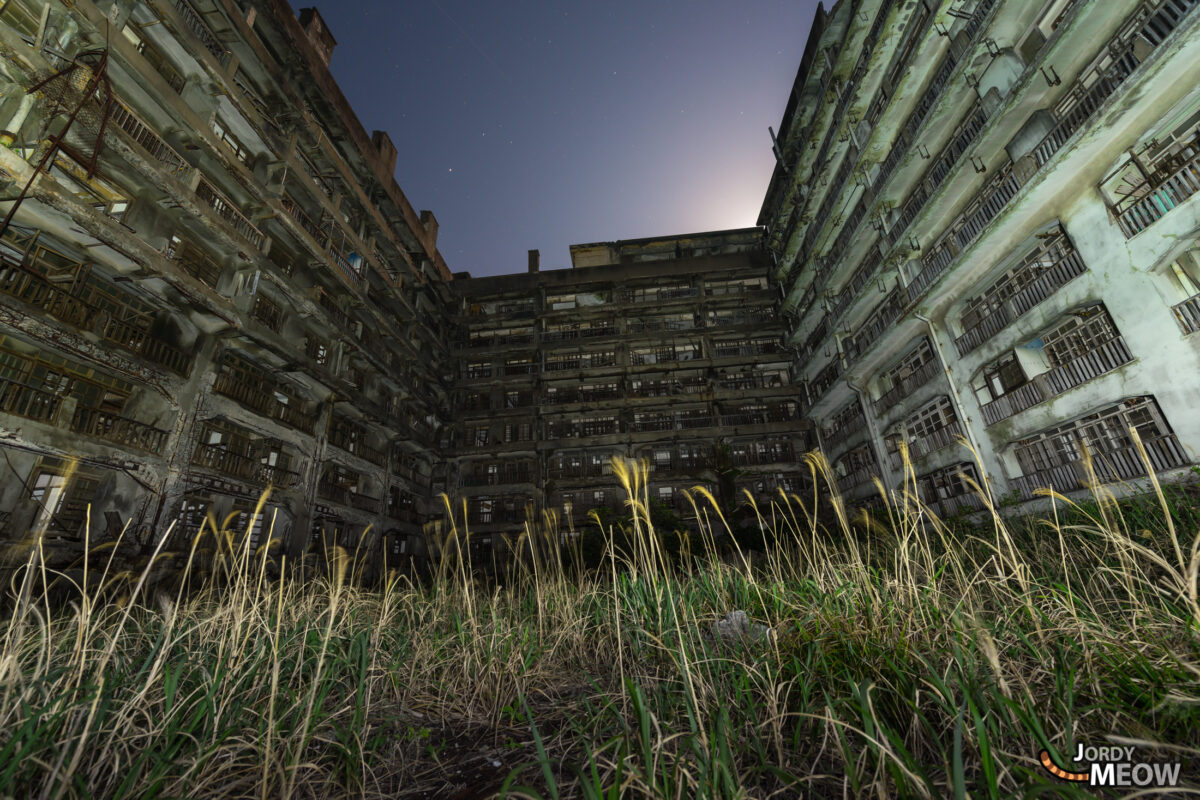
{"x": 910, "y": 657}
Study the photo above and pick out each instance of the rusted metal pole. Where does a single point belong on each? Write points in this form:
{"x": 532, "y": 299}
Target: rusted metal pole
{"x": 56, "y": 142}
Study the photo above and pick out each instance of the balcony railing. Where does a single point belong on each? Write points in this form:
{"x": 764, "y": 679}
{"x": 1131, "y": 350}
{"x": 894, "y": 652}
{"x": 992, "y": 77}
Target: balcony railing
{"x": 856, "y": 479}
{"x": 780, "y": 454}
{"x": 577, "y": 471}
{"x": 1024, "y": 396}
{"x": 660, "y": 424}
{"x": 520, "y": 369}
{"x": 263, "y": 400}
{"x": 278, "y": 476}
{"x": 1118, "y": 464}
{"x": 1145, "y": 30}
{"x": 1162, "y": 196}
{"x": 1188, "y": 314}
{"x": 411, "y": 474}
{"x": 908, "y": 385}
{"x": 159, "y": 62}
{"x": 825, "y": 379}
{"x": 500, "y": 478}
{"x": 878, "y": 323}
{"x": 119, "y": 430}
{"x": 1051, "y": 279}
{"x": 342, "y": 262}
{"x": 687, "y": 422}
{"x": 28, "y": 285}
{"x": 227, "y": 462}
{"x": 243, "y": 467}
{"x": 1104, "y": 358}
{"x": 357, "y": 445}
{"x": 991, "y": 200}
{"x": 679, "y": 465}
{"x": 297, "y": 213}
{"x": 196, "y": 24}
{"x": 1079, "y": 105}
{"x": 336, "y": 315}
{"x": 28, "y": 402}
{"x": 140, "y": 341}
{"x": 364, "y": 503}
{"x": 575, "y": 430}
{"x": 1151, "y": 22}
{"x": 334, "y": 492}
{"x": 959, "y": 503}
{"x": 843, "y": 431}
{"x": 145, "y": 137}
{"x": 727, "y": 349}
{"x": 1101, "y": 359}
{"x": 934, "y": 440}
{"x": 229, "y": 212}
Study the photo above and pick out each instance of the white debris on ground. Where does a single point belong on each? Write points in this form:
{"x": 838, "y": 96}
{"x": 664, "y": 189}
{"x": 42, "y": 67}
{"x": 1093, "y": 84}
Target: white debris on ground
{"x": 737, "y": 627}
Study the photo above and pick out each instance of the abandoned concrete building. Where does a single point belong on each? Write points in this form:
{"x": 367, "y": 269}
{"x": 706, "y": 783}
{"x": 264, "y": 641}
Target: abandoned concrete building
{"x": 981, "y": 225}
{"x": 984, "y": 213}
{"x": 212, "y": 284}
{"x": 215, "y": 287}
{"x": 665, "y": 350}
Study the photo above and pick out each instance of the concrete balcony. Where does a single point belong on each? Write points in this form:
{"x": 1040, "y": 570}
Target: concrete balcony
{"x": 195, "y": 23}
{"x": 334, "y": 492}
{"x": 495, "y": 517}
{"x": 1104, "y": 358}
{"x": 30, "y": 286}
{"x": 358, "y": 446}
{"x": 923, "y": 374}
{"x": 877, "y": 324}
{"x": 1159, "y": 196}
{"x": 779, "y": 454}
{"x": 825, "y": 380}
{"x": 578, "y": 471}
{"x": 934, "y": 440}
{"x": 523, "y": 475}
{"x": 228, "y": 211}
{"x": 1112, "y": 465}
{"x": 230, "y": 463}
{"x": 958, "y": 504}
{"x": 724, "y": 350}
{"x": 29, "y": 402}
{"x": 1047, "y": 283}
{"x": 261, "y": 398}
{"x": 363, "y": 503}
{"x": 1145, "y": 29}
{"x": 856, "y": 481}
{"x": 848, "y": 426}
{"x": 123, "y": 118}
{"x": 118, "y": 430}
{"x": 25, "y": 401}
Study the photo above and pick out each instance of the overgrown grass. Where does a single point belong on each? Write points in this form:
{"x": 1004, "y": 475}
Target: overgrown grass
{"x": 907, "y": 659}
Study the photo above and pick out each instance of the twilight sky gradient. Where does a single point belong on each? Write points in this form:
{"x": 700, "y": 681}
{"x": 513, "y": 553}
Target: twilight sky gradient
{"x": 537, "y": 124}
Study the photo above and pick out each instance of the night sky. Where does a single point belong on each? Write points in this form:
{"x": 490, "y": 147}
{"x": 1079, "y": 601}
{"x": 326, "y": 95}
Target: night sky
{"x": 535, "y": 124}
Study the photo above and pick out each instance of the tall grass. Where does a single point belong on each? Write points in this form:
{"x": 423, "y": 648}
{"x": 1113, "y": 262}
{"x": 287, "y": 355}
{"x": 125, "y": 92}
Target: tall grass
{"x": 907, "y": 658}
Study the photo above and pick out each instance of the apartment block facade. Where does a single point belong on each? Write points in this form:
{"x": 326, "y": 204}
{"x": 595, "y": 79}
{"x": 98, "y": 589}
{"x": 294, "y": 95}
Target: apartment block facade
{"x": 985, "y": 215}
{"x": 665, "y": 350}
{"x": 210, "y": 285}
{"x": 982, "y": 227}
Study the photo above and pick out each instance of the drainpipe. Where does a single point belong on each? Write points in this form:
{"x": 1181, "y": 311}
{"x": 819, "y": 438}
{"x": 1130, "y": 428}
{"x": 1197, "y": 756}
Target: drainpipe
{"x": 875, "y": 438}
{"x": 958, "y": 405}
